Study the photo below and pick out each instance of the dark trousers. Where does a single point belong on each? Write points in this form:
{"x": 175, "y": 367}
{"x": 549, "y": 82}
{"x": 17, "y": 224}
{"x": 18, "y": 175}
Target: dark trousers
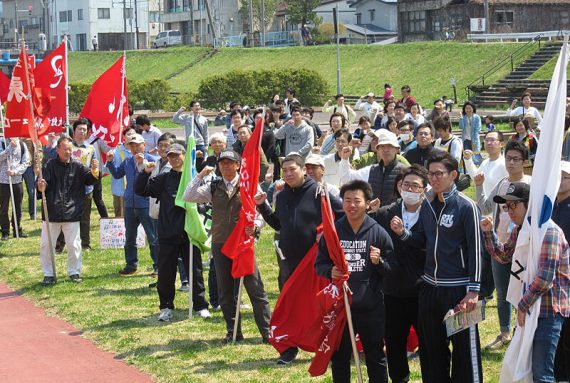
{"x": 435, "y": 356}
{"x": 5, "y": 216}
{"x": 213, "y": 285}
{"x": 168, "y": 255}
{"x": 253, "y": 286}
{"x": 369, "y": 324}
{"x": 487, "y": 281}
{"x": 98, "y": 199}
{"x": 30, "y": 180}
{"x": 401, "y": 314}
{"x": 562, "y": 359}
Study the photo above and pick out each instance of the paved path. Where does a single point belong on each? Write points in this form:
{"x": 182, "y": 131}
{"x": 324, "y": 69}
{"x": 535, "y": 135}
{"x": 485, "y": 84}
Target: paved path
{"x": 38, "y": 348}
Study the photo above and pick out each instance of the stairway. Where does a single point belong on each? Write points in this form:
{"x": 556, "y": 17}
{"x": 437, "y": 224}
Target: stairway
{"x": 501, "y": 93}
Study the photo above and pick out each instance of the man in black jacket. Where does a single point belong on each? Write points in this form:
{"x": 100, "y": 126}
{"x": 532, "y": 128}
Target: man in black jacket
{"x": 63, "y": 183}
{"x": 401, "y": 288}
{"x": 172, "y": 238}
{"x": 420, "y": 154}
{"x": 297, "y": 215}
{"x": 369, "y": 252}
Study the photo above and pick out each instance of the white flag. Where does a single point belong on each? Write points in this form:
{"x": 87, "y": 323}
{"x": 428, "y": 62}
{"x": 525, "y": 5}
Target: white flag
{"x": 517, "y": 365}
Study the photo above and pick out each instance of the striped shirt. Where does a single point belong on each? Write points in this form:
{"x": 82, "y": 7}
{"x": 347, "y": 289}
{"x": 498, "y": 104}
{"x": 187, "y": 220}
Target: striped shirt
{"x": 552, "y": 281}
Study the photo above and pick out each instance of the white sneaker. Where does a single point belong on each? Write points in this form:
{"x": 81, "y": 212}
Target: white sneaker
{"x": 184, "y": 288}
{"x": 204, "y": 313}
{"x": 244, "y": 306}
{"x": 165, "y": 315}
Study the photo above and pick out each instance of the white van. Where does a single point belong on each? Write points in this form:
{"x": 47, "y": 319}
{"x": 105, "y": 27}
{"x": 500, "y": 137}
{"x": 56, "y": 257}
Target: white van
{"x": 167, "y": 39}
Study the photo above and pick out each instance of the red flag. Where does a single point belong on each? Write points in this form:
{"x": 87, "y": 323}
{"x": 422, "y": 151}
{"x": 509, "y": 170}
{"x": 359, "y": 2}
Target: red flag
{"x": 4, "y": 87}
{"x": 107, "y": 104}
{"x": 50, "y": 76}
{"x": 19, "y": 122}
{"x": 333, "y": 310}
{"x": 294, "y": 316}
{"x": 239, "y": 246}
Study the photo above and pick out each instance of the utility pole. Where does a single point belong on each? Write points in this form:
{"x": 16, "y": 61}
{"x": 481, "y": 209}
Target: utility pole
{"x": 192, "y": 22}
{"x": 136, "y": 26}
{"x": 263, "y": 23}
{"x": 337, "y": 33}
{"x": 125, "y": 24}
{"x": 486, "y": 10}
{"x": 16, "y": 12}
{"x": 209, "y": 13}
{"x": 252, "y": 42}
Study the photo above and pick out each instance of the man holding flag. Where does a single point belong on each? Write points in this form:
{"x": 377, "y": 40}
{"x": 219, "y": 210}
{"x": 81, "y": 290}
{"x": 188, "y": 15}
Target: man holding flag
{"x": 224, "y": 195}
{"x": 551, "y": 283}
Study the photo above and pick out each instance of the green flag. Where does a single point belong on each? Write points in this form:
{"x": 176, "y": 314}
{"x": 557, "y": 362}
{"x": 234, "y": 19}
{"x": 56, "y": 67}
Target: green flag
{"x": 193, "y": 223}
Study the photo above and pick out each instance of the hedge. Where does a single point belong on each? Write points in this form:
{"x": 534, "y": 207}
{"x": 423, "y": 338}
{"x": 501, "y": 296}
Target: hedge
{"x": 257, "y": 87}
{"x": 151, "y": 94}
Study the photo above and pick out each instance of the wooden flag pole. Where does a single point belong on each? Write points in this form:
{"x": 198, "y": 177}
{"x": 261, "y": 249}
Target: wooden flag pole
{"x": 190, "y": 280}
{"x": 40, "y": 176}
{"x": 238, "y": 304}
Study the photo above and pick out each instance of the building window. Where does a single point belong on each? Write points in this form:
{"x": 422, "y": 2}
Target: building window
{"x": 435, "y": 23}
{"x": 153, "y": 17}
{"x": 63, "y": 17}
{"x": 103, "y": 13}
{"x": 372, "y": 14}
{"x": 504, "y": 17}
{"x": 358, "y": 18}
{"x": 80, "y": 14}
{"x": 127, "y": 13}
{"x": 414, "y": 21}
{"x": 23, "y": 24}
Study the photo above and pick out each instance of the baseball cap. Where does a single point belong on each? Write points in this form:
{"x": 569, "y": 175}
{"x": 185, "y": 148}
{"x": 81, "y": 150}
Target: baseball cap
{"x": 565, "y": 166}
{"x": 135, "y": 139}
{"x": 315, "y": 159}
{"x": 371, "y": 94}
{"x": 386, "y": 137}
{"x": 175, "y": 149}
{"x": 229, "y": 155}
{"x": 517, "y": 191}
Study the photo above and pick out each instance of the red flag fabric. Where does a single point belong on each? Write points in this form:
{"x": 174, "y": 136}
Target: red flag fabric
{"x": 19, "y": 122}
{"x": 293, "y": 318}
{"x": 331, "y": 298}
{"x": 239, "y": 246}
{"x": 4, "y": 87}
{"x": 50, "y": 77}
{"x": 108, "y": 97}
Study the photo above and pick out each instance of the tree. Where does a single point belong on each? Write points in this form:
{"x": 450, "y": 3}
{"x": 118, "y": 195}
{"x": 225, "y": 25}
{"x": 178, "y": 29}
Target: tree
{"x": 303, "y": 11}
{"x": 270, "y": 8}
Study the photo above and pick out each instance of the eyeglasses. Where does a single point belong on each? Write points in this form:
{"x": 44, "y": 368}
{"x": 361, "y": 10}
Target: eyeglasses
{"x": 341, "y": 142}
{"x": 491, "y": 140}
{"x": 425, "y": 134}
{"x": 437, "y": 174}
{"x": 411, "y": 187}
{"x": 510, "y": 206}
{"x": 513, "y": 159}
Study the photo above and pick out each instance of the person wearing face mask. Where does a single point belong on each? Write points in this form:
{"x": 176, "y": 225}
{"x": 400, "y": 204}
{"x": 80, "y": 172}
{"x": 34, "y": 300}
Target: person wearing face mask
{"x": 401, "y": 288}
{"x": 405, "y": 137}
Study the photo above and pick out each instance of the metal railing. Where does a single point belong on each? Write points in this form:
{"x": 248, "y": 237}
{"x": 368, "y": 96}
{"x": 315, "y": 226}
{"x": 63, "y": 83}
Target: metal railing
{"x": 508, "y": 60}
{"x": 269, "y": 39}
{"x": 547, "y": 35}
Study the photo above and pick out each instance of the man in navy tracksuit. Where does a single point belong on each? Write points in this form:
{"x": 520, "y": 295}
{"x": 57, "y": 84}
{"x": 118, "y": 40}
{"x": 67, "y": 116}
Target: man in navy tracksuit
{"x": 449, "y": 231}
{"x": 369, "y": 252}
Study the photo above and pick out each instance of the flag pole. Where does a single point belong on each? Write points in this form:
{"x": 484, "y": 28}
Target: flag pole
{"x": 238, "y": 304}
{"x": 123, "y": 80}
{"x": 15, "y": 218}
{"x": 345, "y": 290}
{"x": 190, "y": 280}
{"x": 66, "y": 86}
{"x": 40, "y": 176}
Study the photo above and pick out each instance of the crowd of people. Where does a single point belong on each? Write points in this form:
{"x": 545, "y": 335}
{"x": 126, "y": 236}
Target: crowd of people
{"x": 416, "y": 246}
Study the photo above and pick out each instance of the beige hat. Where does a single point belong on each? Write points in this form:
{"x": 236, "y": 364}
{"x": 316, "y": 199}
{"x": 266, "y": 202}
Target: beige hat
{"x": 135, "y": 139}
{"x": 371, "y": 94}
{"x": 565, "y": 166}
{"x": 315, "y": 159}
{"x": 386, "y": 137}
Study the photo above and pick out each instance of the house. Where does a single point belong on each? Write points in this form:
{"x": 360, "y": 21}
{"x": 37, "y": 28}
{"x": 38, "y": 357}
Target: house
{"x": 421, "y": 20}
{"x": 345, "y": 12}
{"x": 375, "y": 20}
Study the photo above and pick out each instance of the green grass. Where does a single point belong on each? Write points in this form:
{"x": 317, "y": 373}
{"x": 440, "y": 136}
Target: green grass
{"x": 119, "y": 315}
{"x": 426, "y": 67}
{"x": 545, "y": 72}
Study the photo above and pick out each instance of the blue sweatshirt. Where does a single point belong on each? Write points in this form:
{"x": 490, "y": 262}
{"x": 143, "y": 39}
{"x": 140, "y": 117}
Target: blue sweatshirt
{"x": 128, "y": 169}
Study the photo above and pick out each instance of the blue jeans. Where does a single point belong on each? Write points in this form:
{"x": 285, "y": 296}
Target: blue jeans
{"x": 30, "y": 180}
{"x": 501, "y": 276}
{"x": 134, "y": 217}
{"x": 544, "y": 348}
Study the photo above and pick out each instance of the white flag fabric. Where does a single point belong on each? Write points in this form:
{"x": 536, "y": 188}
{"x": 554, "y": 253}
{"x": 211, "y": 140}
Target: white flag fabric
{"x": 517, "y": 364}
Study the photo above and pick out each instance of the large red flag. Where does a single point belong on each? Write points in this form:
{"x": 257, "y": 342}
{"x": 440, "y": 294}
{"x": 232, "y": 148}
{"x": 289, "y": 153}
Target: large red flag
{"x": 19, "y": 122}
{"x": 297, "y": 308}
{"x": 239, "y": 246}
{"x": 333, "y": 310}
{"x": 4, "y": 87}
{"x": 50, "y": 77}
{"x": 107, "y": 104}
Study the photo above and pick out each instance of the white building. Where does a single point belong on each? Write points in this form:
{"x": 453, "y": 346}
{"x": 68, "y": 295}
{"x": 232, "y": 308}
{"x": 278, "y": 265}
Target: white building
{"x": 347, "y": 15}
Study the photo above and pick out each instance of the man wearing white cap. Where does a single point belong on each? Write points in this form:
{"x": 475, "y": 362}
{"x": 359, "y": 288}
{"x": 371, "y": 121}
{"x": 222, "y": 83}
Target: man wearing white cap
{"x": 368, "y": 105}
{"x": 315, "y": 166}
{"x": 382, "y": 175}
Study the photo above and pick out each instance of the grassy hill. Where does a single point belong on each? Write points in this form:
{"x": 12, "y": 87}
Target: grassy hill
{"x": 545, "y": 73}
{"x": 426, "y": 67}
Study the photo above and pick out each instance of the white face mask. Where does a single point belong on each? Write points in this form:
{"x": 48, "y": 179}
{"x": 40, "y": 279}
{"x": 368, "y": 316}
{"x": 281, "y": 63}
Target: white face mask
{"x": 411, "y": 198}
{"x": 405, "y": 136}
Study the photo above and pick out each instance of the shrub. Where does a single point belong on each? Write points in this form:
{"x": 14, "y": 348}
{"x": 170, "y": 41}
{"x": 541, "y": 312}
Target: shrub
{"x": 78, "y": 93}
{"x": 257, "y": 87}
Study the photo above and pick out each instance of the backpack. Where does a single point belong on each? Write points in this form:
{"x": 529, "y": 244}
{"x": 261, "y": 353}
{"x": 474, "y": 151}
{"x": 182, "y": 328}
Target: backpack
{"x": 463, "y": 181}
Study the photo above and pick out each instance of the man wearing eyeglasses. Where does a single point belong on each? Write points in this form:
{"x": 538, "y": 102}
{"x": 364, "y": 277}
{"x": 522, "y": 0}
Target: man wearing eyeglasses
{"x": 516, "y": 154}
{"x": 551, "y": 283}
{"x": 449, "y": 231}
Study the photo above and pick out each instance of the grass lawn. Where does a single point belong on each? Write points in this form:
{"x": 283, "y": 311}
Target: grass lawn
{"x": 119, "y": 315}
{"x": 545, "y": 72}
{"x": 426, "y": 67}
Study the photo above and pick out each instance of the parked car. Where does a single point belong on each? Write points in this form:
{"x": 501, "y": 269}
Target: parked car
{"x": 167, "y": 38}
